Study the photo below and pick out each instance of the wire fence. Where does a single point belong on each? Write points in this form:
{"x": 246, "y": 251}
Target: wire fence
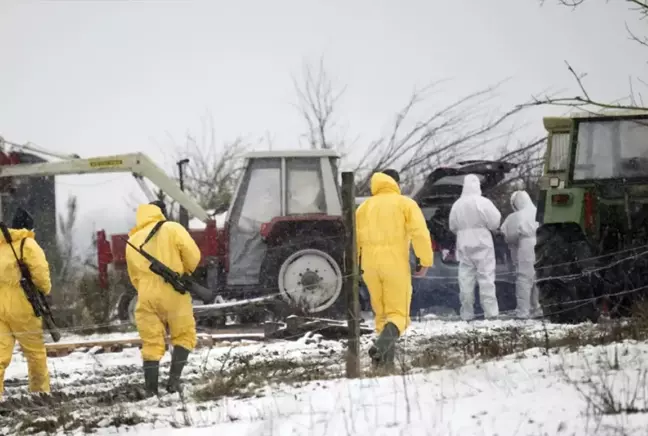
{"x": 275, "y": 292}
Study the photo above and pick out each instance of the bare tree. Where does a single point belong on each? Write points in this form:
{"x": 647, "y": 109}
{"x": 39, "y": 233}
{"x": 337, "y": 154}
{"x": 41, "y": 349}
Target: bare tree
{"x": 68, "y": 258}
{"x": 65, "y": 266}
{"x": 419, "y": 138}
{"x": 211, "y": 174}
{"x": 528, "y": 159}
{"x": 417, "y": 144}
{"x": 585, "y": 100}
{"x": 318, "y": 103}
{"x": 213, "y": 168}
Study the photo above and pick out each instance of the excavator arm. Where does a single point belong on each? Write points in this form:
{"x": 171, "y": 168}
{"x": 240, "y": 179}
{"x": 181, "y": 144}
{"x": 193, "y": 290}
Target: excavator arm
{"x": 140, "y": 165}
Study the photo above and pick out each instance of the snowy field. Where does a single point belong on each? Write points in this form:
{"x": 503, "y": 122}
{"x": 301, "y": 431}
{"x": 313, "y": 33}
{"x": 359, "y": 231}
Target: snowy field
{"x": 483, "y": 378}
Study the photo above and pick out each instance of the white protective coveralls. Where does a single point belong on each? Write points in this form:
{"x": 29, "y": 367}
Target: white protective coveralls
{"x": 519, "y": 230}
{"x": 472, "y": 218}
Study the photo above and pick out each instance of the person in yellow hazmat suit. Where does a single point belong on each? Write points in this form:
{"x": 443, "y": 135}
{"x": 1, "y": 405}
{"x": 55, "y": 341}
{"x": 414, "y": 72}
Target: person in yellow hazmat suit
{"x": 386, "y": 224}
{"x": 159, "y": 305}
{"x": 17, "y": 318}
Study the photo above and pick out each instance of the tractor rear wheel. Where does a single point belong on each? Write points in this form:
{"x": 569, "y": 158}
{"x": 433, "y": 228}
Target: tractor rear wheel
{"x": 567, "y": 292}
{"x": 308, "y": 276}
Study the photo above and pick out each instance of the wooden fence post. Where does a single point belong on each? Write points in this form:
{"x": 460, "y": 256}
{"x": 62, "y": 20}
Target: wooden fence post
{"x": 351, "y": 276}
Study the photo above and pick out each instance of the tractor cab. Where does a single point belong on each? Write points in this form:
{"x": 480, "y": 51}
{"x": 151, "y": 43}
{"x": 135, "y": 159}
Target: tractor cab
{"x": 596, "y": 176}
{"x": 286, "y": 202}
{"x": 593, "y": 203}
{"x": 283, "y": 235}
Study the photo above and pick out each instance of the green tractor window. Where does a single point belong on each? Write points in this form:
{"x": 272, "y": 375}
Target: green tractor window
{"x": 559, "y": 157}
{"x": 612, "y": 150}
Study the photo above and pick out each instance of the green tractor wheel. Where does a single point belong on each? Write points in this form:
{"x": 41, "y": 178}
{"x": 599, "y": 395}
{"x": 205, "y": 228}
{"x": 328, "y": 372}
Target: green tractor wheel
{"x": 567, "y": 291}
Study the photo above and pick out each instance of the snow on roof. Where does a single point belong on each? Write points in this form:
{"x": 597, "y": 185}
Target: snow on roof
{"x": 291, "y": 153}
{"x": 196, "y": 224}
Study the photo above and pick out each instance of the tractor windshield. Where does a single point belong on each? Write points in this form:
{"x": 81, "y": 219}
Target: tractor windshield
{"x": 305, "y": 188}
{"x": 612, "y": 149}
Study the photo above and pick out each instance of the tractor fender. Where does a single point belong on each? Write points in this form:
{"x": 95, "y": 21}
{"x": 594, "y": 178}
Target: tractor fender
{"x": 569, "y": 231}
{"x": 283, "y": 229}
{"x": 564, "y": 242}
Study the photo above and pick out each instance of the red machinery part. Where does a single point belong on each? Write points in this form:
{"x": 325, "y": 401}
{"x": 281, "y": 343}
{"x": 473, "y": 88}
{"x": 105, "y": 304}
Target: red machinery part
{"x": 207, "y": 240}
{"x": 211, "y": 239}
{"x": 9, "y": 159}
{"x": 104, "y": 257}
{"x": 267, "y": 228}
{"x": 6, "y": 183}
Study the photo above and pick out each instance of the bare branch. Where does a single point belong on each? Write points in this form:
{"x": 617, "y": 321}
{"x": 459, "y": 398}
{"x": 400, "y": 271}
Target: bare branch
{"x": 641, "y": 40}
{"x": 640, "y": 5}
{"x": 579, "y": 80}
{"x": 571, "y": 3}
{"x": 213, "y": 169}
{"x": 318, "y": 100}
{"x": 582, "y": 102}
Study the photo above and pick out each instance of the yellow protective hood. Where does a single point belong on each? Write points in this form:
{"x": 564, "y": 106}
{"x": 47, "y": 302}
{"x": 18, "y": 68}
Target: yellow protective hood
{"x": 17, "y": 235}
{"x": 146, "y": 214}
{"x": 383, "y": 184}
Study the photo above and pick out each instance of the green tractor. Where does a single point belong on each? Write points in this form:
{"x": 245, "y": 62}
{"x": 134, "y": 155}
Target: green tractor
{"x": 592, "y": 246}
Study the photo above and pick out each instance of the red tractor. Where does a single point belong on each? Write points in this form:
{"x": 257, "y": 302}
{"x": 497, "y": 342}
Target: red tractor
{"x": 282, "y": 239}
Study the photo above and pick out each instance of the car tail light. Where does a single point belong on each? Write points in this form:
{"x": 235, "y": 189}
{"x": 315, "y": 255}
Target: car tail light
{"x": 265, "y": 229}
{"x": 560, "y": 199}
{"x": 589, "y": 206}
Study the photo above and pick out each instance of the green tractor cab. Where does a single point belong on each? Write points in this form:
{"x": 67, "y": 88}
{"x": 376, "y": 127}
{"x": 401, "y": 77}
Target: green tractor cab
{"x": 591, "y": 251}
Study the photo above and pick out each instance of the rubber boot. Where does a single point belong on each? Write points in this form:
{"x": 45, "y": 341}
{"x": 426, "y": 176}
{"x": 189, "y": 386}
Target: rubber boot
{"x": 178, "y": 361}
{"x": 374, "y": 354}
{"x": 151, "y": 374}
{"x": 386, "y": 347}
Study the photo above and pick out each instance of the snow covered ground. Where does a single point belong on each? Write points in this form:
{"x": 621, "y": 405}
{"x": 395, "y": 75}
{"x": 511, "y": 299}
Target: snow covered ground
{"x": 483, "y": 378}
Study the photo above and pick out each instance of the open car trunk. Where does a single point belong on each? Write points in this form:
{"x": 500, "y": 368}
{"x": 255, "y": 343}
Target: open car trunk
{"x": 442, "y": 188}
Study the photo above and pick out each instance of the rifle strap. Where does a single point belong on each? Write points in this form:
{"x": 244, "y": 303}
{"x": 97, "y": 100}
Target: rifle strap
{"x": 155, "y": 229}
{"x": 22, "y": 248}
{"x": 10, "y": 242}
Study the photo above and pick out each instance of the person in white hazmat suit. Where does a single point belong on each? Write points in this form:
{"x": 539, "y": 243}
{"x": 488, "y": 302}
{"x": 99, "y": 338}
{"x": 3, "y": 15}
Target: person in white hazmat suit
{"x": 472, "y": 219}
{"x": 519, "y": 230}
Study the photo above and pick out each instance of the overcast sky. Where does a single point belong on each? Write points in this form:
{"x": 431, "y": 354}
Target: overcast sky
{"x": 99, "y": 77}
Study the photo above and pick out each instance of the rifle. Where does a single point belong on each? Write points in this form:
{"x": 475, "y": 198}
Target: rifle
{"x": 182, "y": 283}
{"x": 35, "y": 297}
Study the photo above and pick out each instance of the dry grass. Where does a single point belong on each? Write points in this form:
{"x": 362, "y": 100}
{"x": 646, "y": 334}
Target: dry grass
{"x": 247, "y": 378}
{"x": 454, "y": 350}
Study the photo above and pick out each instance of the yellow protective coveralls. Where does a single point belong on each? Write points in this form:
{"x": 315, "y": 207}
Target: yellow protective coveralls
{"x": 158, "y": 304}
{"x": 17, "y": 318}
{"x": 386, "y": 223}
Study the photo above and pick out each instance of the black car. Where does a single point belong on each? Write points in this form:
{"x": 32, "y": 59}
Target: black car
{"x": 439, "y": 289}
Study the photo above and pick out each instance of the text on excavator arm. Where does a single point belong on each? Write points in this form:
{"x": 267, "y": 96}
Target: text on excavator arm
{"x": 138, "y": 164}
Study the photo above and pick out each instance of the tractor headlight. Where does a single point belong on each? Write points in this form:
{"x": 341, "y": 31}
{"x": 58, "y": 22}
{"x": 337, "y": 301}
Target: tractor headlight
{"x": 554, "y": 182}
